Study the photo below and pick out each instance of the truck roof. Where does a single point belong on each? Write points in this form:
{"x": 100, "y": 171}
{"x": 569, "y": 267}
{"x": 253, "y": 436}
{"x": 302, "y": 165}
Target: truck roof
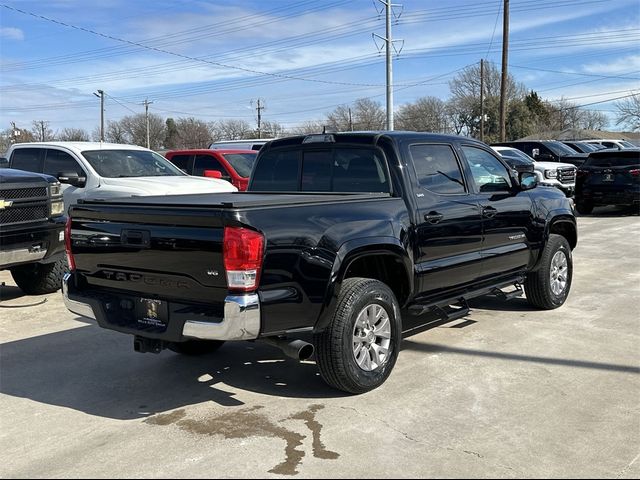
{"x": 79, "y": 147}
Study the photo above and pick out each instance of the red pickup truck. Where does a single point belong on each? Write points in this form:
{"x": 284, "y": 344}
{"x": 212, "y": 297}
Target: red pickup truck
{"x": 231, "y": 165}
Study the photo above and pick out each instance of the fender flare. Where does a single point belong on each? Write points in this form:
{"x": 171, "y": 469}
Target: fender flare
{"x": 351, "y": 251}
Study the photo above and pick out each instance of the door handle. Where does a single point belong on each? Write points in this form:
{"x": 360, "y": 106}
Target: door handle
{"x": 489, "y": 212}
{"x": 433, "y": 217}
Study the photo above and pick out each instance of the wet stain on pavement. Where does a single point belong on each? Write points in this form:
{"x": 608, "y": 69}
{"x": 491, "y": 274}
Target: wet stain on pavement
{"x": 248, "y": 423}
{"x": 309, "y": 418}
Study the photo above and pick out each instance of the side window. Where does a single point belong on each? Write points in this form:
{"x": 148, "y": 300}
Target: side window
{"x": 207, "y": 162}
{"x": 526, "y": 148}
{"x": 489, "y": 174}
{"x": 437, "y": 168}
{"x": 181, "y": 161}
{"x": 609, "y": 144}
{"x": 276, "y": 172}
{"x": 28, "y": 159}
{"x": 58, "y": 161}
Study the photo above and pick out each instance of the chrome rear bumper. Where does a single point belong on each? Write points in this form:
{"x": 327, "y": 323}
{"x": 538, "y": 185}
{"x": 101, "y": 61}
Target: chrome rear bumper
{"x": 241, "y": 317}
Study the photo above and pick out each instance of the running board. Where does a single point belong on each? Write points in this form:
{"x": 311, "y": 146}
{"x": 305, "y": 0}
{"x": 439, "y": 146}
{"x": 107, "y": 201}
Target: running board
{"x": 501, "y": 294}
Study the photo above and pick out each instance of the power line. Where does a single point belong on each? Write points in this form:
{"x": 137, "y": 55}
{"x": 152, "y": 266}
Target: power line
{"x": 160, "y": 50}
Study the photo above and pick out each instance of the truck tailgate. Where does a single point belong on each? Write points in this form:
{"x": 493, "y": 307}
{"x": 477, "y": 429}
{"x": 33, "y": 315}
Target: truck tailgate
{"x": 168, "y": 252}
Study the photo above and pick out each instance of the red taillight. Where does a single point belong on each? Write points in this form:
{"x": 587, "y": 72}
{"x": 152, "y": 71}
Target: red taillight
{"x": 67, "y": 245}
{"x": 243, "y": 252}
{"x": 635, "y": 172}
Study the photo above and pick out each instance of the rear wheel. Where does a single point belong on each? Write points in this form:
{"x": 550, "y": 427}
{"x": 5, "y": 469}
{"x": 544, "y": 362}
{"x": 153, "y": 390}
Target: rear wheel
{"x": 548, "y": 287}
{"x": 359, "y": 348}
{"x": 39, "y": 278}
{"x": 195, "y": 347}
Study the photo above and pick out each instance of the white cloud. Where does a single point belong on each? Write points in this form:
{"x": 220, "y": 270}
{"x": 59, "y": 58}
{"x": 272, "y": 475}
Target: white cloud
{"x": 622, "y": 65}
{"x": 11, "y": 33}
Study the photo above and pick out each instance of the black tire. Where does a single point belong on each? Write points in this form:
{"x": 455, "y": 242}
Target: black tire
{"x": 584, "y": 208}
{"x": 335, "y": 346}
{"x": 538, "y": 284}
{"x": 195, "y": 347}
{"x": 39, "y": 278}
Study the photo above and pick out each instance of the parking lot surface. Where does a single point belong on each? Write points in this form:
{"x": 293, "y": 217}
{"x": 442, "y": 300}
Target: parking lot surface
{"x": 508, "y": 391}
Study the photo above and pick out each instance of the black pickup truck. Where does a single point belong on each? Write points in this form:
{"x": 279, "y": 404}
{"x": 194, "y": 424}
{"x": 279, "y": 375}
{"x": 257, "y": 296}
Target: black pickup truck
{"x": 32, "y": 225}
{"x": 352, "y": 239}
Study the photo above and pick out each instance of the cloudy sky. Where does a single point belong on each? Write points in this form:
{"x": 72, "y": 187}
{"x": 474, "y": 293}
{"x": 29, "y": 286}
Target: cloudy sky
{"x": 214, "y": 59}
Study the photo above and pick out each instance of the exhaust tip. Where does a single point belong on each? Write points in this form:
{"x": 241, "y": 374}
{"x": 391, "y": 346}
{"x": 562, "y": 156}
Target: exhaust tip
{"x": 305, "y": 352}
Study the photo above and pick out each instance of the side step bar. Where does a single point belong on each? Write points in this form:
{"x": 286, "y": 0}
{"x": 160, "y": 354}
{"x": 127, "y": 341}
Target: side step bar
{"x": 454, "y": 308}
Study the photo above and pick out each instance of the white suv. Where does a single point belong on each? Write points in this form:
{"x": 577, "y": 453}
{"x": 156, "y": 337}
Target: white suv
{"x": 90, "y": 170}
{"x": 554, "y": 174}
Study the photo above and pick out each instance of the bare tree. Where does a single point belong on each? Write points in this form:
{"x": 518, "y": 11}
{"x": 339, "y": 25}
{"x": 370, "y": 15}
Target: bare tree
{"x": 113, "y": 133}
{"x": 41, "y": 131}
{"x": 73, "y": 135}
{"x": 427, "y": 114}
{"x": 272, "y": 129}
{"x": 308, "y": 128}
{"x": 594, "y": 120}
{"x": 629, "y": 112}
{"x": 232, "y": 130}
{"x": 192, "y": 133}
{"x": 135, "y": 127}
{"x": 465, "y": 98}
{"x": 365, "y": 114}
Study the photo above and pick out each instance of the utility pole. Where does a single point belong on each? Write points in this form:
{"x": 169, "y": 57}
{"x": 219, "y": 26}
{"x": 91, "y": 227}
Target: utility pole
{"x": 350, "y": 120}
{"x": 388, "y": 40}
{"x": 481, "y": 100}
{"x": 146, "y": 104}
{"x": 259, "y": 109}
{"x": 100, "y": 95}
{"x": 503, "y": 83}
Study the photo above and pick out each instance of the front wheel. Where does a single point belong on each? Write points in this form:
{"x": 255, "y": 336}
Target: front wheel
{"x": 548, "y": 287}
{"x": 359, "y": 348}
{"x": 40, "y": 278}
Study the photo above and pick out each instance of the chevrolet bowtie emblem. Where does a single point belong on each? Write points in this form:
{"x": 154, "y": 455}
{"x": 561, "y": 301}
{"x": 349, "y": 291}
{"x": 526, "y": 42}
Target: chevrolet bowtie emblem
{"x": 5, "y": 203}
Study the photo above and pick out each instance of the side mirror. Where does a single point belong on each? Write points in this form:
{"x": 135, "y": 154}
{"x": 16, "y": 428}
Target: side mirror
{"x": 72, "y": 178}
{"x": 528, "y": 180}
{"x": 213, "y": 174}
{"x": 535, "y": 152}
{"x": 4, "y": 162}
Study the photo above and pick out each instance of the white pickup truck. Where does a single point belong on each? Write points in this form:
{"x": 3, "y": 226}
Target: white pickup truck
{"x": 553, "y": 174}
{"x": 97, "y": 170}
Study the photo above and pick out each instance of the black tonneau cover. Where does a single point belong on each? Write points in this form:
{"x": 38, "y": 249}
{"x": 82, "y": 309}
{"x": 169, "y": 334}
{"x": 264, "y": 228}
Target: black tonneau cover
{"x": 237, "y": 200}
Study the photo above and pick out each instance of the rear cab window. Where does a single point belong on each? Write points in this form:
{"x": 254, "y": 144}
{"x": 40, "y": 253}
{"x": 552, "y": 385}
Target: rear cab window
{"x": 614, "y": 159}
{"x": 327, "y": 169}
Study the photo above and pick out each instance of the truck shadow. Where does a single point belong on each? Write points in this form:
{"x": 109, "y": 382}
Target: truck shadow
{"x": 97, "y": 372}
{"x": 612, "y": 211}
{"x": 8, "y": 292}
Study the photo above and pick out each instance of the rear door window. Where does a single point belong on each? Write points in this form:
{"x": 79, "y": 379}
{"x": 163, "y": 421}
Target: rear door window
{"x": 437, "y": 168}
{"x": 182, "y": 162}
{"x": 29, "y": 159}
